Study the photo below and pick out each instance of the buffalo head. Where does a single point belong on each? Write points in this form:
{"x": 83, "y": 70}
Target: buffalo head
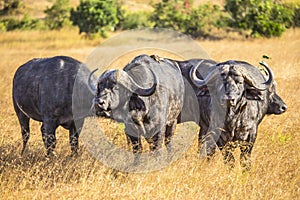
{"x": 115, "y": 87}
{"x": 233, "y": 80}
{"x": 276, "y": 105}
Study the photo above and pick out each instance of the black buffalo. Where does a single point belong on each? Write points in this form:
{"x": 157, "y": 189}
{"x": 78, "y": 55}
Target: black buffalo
{"x": 43, "y": 91}
{"x": 147, "y": 96}
{"x": 208, "y": 111}
{"x": 240, "y": 97}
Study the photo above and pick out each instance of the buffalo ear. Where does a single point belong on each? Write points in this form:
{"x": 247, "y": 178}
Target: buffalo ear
{"x": 136, "y": 103}
{"x": 253, "y": 94}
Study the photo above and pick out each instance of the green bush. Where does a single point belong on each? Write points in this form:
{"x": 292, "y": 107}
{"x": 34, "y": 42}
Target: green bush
{"x": 169, "y": 14}
{"x": 263, "y": 17}
{"x": 203, "y": 19}
{"x": 27, "y": 23}
{"x": 183, "y": 17}
{"x": 135, "y": 20}
{"x": 96, "y": 16}
{"x": 295, "y": 7}
{"x": 57, "y": 16}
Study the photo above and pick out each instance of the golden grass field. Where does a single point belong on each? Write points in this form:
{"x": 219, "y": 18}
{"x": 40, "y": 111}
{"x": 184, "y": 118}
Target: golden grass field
{"x": 275, "y": 158}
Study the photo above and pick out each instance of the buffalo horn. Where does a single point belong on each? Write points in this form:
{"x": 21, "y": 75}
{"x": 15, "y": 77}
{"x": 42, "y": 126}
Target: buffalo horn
{"x": 201, "y": 82}
{"x": 91, "y": 85}
{"x": 126, "y": 80}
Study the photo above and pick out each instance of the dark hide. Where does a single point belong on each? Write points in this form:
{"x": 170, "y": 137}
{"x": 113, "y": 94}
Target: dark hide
{"x": 151, "y": 116}
{"x": 43, "y": 89}
{"x": 236, "y": 110}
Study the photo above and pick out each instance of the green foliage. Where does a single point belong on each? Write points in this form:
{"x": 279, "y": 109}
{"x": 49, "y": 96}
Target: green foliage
{"x": 27, "y": 23}
{"x": 181, "y": 16}
{"x": 57, "y": 16}
{"x": 203, "y": 19}
{"x": 295, "y": 8}
{"x": 136, "y": 20}
{"x": 263, "y": 17}
{"x": 96, "y": 16}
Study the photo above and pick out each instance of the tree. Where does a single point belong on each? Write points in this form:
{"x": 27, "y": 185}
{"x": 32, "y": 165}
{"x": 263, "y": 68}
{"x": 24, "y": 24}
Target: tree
{"x": 263, "y": 17}
{"x": 180, "y": 15}
{"x": 96, "y": 16}
{"x": 57, "y": 16}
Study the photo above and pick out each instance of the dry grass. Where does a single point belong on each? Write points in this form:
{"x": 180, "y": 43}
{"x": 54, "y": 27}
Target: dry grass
{"x": 276, "y": 158}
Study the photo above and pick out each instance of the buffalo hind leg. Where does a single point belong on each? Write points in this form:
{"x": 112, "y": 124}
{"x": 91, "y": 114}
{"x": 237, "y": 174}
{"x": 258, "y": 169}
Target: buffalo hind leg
{"x": 74, "y": 133}
{"x": 48, "y": 134}
{"x": 24, "y": 123}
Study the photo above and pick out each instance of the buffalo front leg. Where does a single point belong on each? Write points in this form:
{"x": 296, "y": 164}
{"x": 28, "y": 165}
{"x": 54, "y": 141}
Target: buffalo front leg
{"x": 155, "y": 144}
{"x": 202, "y": 132}
{"x": 208, "y": 146}
{"x": 136, "y": 147}
{"x": 245, "y": 157}
{"x": 227, "y": 152}
{"x": 170, "y": 129}
{"x": 48, "y": 134}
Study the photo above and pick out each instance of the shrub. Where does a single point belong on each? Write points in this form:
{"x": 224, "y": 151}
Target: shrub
{"x": 57, "y": 16}
{"x": 181, "y": 16}
{"x": 135, "y": 20}
{"x": 96, "y": 16}
{"x": 262, "y": 17}
{"x": 295, "y": 8}
{"x": 27, "y": 23}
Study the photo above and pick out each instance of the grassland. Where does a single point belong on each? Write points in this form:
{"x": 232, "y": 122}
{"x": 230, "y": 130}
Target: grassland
{"x": 276, "y": 159}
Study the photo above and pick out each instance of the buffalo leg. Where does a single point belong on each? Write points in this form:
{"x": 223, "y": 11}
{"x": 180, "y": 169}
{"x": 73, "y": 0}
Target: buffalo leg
{"x": 24, "y": 123}
{"x": 48, "y": 134}
{"x": 170, "y": 129}
{"x": 136, "y": 144}
{"x": 208, "y": 146}
{"x": 202, "y": 133}
{"x": 74, "y": 133}
{"x": 155, "y": 143}
{"x": 245, "y": 157}
{"x": 227, "y": 152}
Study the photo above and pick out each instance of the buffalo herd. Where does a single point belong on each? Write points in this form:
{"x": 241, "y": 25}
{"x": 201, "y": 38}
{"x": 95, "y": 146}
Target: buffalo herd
{"x": 150, "y": 95}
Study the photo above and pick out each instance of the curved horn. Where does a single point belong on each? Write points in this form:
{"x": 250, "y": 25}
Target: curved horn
{"x": 253, "y": 82}
{"x": 201, "y": 82}
{"x": 91, "y": 85}
{"x": 270, "y": 72}
{"x": 126, "y": 80}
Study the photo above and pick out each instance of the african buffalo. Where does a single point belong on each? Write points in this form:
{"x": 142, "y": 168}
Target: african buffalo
{"x": 239, "y": 99}
{"x": 145, "y": 97}
{"x": 43, "y": 90}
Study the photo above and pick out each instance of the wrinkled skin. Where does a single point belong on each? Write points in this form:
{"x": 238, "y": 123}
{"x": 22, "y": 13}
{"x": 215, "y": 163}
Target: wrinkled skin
{"x": 152, "y": 115}
{"x": 232, "y": 90}
{"x": 42, "y": 91}
{"x": 241, "y": 107}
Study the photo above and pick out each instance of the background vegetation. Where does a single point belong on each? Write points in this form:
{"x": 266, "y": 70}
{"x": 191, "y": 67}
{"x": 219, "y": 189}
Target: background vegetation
{"x": 97, "y": 17}
{"x": 275, "y": 173}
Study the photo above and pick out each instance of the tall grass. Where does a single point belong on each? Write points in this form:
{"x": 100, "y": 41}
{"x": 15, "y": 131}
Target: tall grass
{"x": 276, "y": 158}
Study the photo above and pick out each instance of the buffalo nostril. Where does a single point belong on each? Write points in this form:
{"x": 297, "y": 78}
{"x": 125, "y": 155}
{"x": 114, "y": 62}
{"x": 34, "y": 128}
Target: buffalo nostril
{"x": 284, "y": 108}
{"x": 100, "y": 103}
